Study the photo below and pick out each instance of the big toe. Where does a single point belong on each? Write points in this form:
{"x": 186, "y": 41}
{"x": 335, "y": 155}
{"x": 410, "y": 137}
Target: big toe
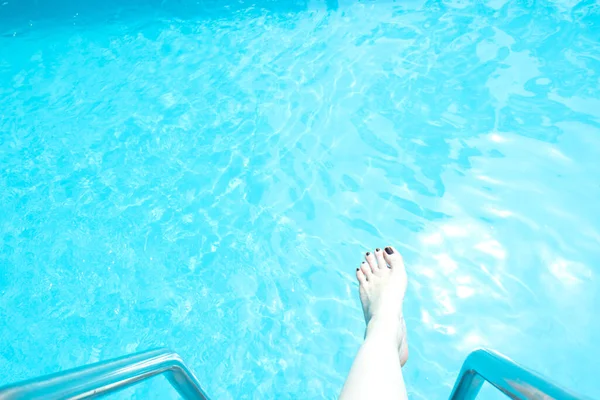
{"x": 393, "y": 257}
{"x": 396, "y": 263}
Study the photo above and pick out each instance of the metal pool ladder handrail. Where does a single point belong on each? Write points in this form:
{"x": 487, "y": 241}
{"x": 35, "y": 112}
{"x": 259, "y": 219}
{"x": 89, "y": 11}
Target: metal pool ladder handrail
{"x": 510, "y": 378}
{"x": 109, "y": 376}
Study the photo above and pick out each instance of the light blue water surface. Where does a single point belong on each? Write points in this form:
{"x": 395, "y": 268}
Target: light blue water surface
{"x": 207, "y": 176}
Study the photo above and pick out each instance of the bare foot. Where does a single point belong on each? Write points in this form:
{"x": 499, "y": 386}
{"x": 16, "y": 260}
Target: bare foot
{"x": 382, "y": 290}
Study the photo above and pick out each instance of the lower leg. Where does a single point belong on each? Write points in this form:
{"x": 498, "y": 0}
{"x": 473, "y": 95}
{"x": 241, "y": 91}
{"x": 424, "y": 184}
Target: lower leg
{"x": 376, "y": 372}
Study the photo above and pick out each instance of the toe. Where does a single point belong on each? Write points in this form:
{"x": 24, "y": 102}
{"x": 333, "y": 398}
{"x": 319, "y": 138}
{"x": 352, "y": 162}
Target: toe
{"x": 392, "y": 257}
{"x": 366, "y": 270}
{"x": 371, "y": 261}
{"x": 380, "y": 260}
{"x": 362, "y": 279}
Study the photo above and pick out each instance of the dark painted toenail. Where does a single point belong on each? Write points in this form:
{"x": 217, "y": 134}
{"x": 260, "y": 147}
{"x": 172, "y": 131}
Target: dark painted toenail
{"x": 389, "y": 250}
{"x": 368, "y": 253}
{"x": 377, "y": 249}
{"x": 363, "y": 262}
{"x": 356, "y": 269}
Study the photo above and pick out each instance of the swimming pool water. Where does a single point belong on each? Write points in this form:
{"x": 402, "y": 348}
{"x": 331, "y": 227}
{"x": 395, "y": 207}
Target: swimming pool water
{"x": 207, "y": 175}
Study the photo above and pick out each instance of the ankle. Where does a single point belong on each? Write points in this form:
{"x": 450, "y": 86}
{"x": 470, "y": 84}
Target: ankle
{"x": 388, "y": 329}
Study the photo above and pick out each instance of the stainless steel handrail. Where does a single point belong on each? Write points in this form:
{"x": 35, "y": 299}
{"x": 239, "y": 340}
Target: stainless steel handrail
{"x": 99, "y": 379}
{"x": 510, "y": 378}
{"x": 110, "y": 376}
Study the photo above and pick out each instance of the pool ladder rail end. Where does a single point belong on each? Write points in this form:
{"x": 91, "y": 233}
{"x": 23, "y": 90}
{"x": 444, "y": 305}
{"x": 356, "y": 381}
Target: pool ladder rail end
{"x": 513, "y": 380}
{"x": 110, "y": 376}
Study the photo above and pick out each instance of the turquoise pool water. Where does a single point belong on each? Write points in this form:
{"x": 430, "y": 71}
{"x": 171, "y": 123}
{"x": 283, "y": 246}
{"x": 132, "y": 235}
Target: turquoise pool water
{"x": 206, "y": 177}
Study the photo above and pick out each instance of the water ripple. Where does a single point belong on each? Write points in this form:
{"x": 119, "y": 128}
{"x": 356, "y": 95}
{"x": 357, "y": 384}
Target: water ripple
{"x": 206, "y": 177}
